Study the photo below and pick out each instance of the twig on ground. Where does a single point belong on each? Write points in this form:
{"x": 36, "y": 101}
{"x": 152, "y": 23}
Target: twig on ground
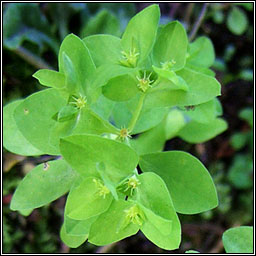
{"x": 188, "y": 14}
{"x": 198, "y": 22}
{"x": 32, "y": 58}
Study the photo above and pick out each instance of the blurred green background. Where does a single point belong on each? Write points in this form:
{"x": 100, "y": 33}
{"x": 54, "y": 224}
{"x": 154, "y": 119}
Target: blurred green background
{"x": 32, "y": 33}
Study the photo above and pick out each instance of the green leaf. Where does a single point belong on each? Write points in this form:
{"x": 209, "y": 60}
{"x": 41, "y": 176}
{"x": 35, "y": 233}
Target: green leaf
{"x": 104, "y": 22}
{"x": 203, "y": 113}
{"x": 247, "y": 6}
{"x": 202, "y": 88}
{"x": 190, "y": 185}
{"x": 25, "y": 22}
{"x": 150, "y": 141}
{"x": 171, "y": 45}
{"x": 195, "y": 132}
{"x": 83, "y": 152}
{"x": 201, "y": 52}
{"x": 66, "y": 113}
{"x": 103, "y": 107}
{"x": 237, "y": 21}
{"x": 154, "y": 225}
{"x": 13, "y": 139}
{"x": 153, "y": 194}
{"x": 191, "y": 251}
{"x": 175, "y": 120}
{"x": 241, "y": 171}
{"x": 218, "y": 16}
{"x": 44, "y": 184}
{"x": 107, "y": 181}
{"x": 140, "y": 32}
{"x": 72, "y": 241}
{"x": 238, "y": 240}
{"x": 247, "y": 115}
{"x": 120, "y": 88}
{"x": 149, "y": 119}
{"x": 50, "y": 78}
{"x": 162, "y": 225}
{"x": 238, "y": 140}
{"x": 88, "y": 122}
{"x": 86, "y": 200}
{"x": 82, "y": 62}
{"x": 202, "y": 70}
{"x": 78, "y": 227}
{"x": 105, "y": 72}
{"x": 71, "y": 81}
{"x": 26, "y": 212}
{"x": 34, "y": 119}
{"x": 171, "y": 80}
{"x": 104, "y": 49}
{"x": 110, "y": 225}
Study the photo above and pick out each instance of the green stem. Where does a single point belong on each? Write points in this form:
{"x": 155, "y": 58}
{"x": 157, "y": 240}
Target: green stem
{"x": 136, "y": 113}
{"x": 32, "y": 58}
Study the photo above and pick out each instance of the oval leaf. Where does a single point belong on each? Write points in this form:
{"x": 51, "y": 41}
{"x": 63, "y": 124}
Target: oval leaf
{"x": 162, "y": 225}
{"x": 120, "y": 88}
{"x": 140, "y": 32}
{"x": 237, "y": 21}
{"x": 202, "y": 88}
{"x": 195, "y": 132}
{"x": 201, "y": 52}
{"x": 78, "y": 227}
{"x": 13, "y": 139}
{"x": 79, "y": 55}
{"x": 83, "y": 152}
{"x": 66, "y": 113}
{"x": 238, "y": 240}
{"x": 171, "y": 45}
{"x": 44, "y": 184}
{"x": 190, "y": 185}
{"x": 34, "y": 118}
{"x": 50, "y": 78}
{"x": 111, "y": 221}
{"x": 104, "y": 49}
{"x": 71, "y": 240}
{"x": 85, "y": 201}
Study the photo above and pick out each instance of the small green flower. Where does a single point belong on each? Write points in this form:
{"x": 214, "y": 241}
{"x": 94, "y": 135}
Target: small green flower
{"x": 145, "y": 82}
{"x": 130, "y": 58}
{"x": 80, "y": 102}
{"x": 132, "y": 183}
{"x": 135, "y": 215}
{"x": 102, "y": 189}
{"x": 124, "y": 133}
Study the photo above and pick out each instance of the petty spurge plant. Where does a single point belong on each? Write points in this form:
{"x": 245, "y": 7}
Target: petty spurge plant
{"x": 152, "y": 83}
